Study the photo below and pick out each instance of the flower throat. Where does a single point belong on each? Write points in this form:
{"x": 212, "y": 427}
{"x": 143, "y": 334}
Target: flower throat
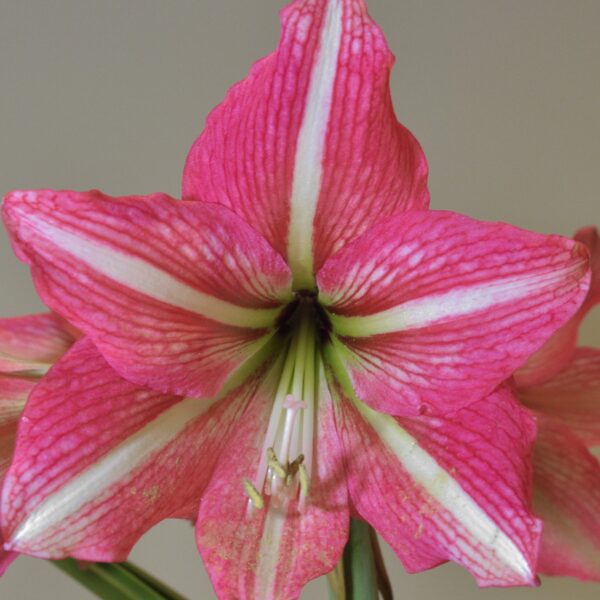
{"x": 286, "y": 459}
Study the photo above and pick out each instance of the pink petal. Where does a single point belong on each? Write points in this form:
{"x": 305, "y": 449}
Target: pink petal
{"x": 567, "y": 498}
{"x": 14, "y": 392}
{"x": 558, "y": 351}
{"x": 6, "y": 559}
{"x": 437, "y": 309}
{"x": 552, "y": 357}
{"x": 99, "y": 461}
{"x": 176, "y": 295}
{"x": 307, "y": 148}
{"x": 448, "y": 488}
{"x": 572, "y": 397}
{"x": 273, "y": 552}
{"x": 28, "y": 345}
{"x": 590, "y": 237}
{"x": 13, "y": 395}
{"x": 32, "y": 343}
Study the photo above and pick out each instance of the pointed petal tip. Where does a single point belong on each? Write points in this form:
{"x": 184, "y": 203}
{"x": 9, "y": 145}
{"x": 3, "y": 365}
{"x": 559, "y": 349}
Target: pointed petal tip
{"x": 528, "y": 579}
{"x": 16, "y": 199}
{"x": 387, "y": 310}
{"x": 346, "y": 163}
{"x": 6, "y": 559}
{"x": 499, "y": 534}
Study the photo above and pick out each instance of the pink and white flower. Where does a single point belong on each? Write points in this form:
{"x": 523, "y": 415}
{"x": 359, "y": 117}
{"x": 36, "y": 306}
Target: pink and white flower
{"x": 566, "y": 402}
{"x": 296, "y": 341}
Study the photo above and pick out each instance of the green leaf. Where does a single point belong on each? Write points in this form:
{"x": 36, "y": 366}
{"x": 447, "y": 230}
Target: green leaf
{"x": 154, "y": 583}
{"x": 117, "y": 581}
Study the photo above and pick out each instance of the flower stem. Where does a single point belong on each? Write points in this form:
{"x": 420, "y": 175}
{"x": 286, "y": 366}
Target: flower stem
{"x": 116, "y": 581}
{"x": 359, "y": 564}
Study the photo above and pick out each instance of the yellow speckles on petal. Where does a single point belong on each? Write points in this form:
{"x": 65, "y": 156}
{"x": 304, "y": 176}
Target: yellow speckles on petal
{"x": 152, "y": 493}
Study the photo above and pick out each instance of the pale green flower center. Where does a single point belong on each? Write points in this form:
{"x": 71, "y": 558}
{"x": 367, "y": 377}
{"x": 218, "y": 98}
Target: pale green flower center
{"x": 286, "y": 462}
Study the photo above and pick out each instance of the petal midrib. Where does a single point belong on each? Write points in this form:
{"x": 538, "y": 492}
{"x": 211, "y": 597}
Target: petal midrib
{"x": 151, "y": 281}
{"x": 456, "y": 303}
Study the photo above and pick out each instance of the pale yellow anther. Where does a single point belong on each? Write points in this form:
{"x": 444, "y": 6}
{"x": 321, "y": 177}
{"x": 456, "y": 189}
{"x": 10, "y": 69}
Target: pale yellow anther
{"x": 253, "y": 494}
{"x": 304, "y": 480}
{"x": 275, "y": 465}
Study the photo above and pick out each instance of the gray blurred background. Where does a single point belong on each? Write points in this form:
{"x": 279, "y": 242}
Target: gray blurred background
{"x": 503, "y": 95}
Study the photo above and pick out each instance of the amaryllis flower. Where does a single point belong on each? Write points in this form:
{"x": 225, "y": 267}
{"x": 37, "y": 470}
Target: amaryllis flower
{"x": 296, "y": 341}
{"x": 28, "y": 347}
{"x": 566, "y": 402}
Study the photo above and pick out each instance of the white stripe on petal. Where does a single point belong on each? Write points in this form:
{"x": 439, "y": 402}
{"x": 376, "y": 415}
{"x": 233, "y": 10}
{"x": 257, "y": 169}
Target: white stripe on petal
{"x": 457, "y": 303}
{"x": 439, "y": 485}
{"x": 142, "y": 277}
{"x": 310, "y": 150}
{"x": 113, "y": 467}
{"x": 268, "y": 553}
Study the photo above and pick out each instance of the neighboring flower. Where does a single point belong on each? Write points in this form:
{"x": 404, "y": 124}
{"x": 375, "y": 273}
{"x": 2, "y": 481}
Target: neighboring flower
{"x": 28, "y": 347}
{"x": 558, "y": 351}
{"x": 297, "y": 341}
{"x": 566, "y": 402}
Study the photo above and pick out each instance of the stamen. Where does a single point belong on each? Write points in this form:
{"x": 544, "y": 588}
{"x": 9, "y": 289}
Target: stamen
{"x": 308, "y": 421}
{"x": 283, "y": 472}
{"x": 304, "y": 481}
{"x": 253, "y": 494}
{"x": 275, "y": 465}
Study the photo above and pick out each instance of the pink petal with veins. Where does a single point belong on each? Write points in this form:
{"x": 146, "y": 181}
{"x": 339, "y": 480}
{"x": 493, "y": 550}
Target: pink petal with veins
{"x": 272, "y": 552}
{"x": 589, "y": 236}
{"x": 567, "y": 498}
{"x": 552, "y": 357}
{"x": 572, "y": 397}
{"x": 32, "y": 342}
{"x": 558, "y": 351}
{"x": 99, "y": 461}
{"x": 435, "y": 309}
{"x": 307, "y": 148}
{"x": 176, "y": 295}
{"x": 456, "y": 487}
{"x": 14, "y": 392}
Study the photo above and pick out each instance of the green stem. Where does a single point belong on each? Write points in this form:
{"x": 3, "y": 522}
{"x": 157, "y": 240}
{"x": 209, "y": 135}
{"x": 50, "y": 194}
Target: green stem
{"x": 116, "y": 581}
{"x": 360, "y": 570}
{"x": 154, "y": 583}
